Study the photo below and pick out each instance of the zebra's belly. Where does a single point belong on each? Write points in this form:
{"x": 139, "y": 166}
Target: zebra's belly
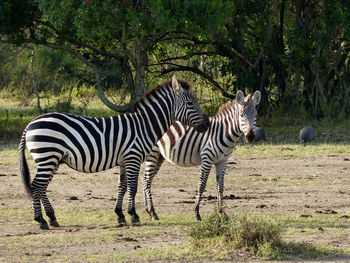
{"x": 184, "y": 160}
{"x": 88, "y": 166}
{"x": 221, "y": 156}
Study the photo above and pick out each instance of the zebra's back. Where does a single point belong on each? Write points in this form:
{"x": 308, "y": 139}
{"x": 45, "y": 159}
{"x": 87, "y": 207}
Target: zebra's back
{"x": 86, "y": 144}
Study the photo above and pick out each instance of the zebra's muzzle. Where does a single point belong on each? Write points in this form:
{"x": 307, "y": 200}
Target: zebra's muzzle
{"x": 202, "y": 127}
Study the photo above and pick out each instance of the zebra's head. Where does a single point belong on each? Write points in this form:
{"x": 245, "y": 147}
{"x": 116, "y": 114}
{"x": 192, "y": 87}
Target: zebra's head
{"x": 247, "y": 113}
{"x": 187, "y": 109}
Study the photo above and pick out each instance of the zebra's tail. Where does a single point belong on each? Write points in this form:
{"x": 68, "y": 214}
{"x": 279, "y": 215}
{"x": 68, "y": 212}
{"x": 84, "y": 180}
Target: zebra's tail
{"x": 23, "y": 166}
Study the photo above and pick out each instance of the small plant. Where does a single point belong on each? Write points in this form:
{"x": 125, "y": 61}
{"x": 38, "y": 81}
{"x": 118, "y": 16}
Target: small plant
{"x": 255, "y": 234}
{"x": 64, "y": 101}
{"x": 85, "y": 95}
{"x": 63, "y": 106}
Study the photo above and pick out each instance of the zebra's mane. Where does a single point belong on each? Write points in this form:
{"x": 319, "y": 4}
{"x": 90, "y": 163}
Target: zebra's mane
{"x": 228, "y": 105}
{"x": 184, "y": 84}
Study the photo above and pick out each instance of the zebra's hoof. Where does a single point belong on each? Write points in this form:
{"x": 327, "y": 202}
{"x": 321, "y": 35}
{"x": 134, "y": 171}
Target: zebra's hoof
{"x": 54, "y": 223}
{"x": 121, "y": 221}
{"x": 44, "y": 226}
{"x": 198, "y": 218}
{"x": 135, "y": 220}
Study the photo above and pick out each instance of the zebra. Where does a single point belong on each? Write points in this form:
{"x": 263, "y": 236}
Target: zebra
{"x": 91, "y": 145}
{"x": 184, "y": 146}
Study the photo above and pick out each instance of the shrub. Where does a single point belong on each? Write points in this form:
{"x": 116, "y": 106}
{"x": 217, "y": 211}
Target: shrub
{"x": 256, "y": 234}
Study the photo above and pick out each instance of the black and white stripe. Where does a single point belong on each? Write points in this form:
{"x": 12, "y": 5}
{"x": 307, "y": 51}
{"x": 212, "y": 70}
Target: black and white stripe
{"x": 184, "y": 146}
{"x": 97, "y": 144}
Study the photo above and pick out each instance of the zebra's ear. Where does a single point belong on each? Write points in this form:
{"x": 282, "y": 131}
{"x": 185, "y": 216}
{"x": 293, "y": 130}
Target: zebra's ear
{"x": 176, "y": 85}
{"x": 240, "y": 97}
{"x": 256, "y": 98}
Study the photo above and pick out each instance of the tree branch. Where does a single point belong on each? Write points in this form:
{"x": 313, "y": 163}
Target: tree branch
{"x": 119, "y": 108}
{"x": 76, "y": 43}
{"x": 201, "y": 73}
{"x": 187, "y": 57}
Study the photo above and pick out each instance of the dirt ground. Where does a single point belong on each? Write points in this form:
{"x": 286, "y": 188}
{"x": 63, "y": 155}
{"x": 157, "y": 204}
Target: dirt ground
{"x": 302, "y": 187}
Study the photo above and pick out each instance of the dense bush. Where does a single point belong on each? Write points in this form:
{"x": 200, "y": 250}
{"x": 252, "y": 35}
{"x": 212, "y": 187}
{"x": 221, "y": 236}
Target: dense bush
{"x": 256, "y": 234}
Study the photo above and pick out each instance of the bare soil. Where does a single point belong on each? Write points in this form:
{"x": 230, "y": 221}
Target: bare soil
{"x": 301, "y": 187}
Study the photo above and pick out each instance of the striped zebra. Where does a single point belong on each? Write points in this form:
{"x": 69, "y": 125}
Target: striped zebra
{"x": 96, "y": 144}
{"x": 184, "y": 146}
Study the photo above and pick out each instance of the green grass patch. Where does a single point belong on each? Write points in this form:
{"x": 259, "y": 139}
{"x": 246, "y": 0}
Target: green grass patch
{"x": 278, "y": 181}
{"x": 98, "y": 217}
{"x": 174, "y": 253}
{"x": 315, "y": 222}
{"x": 8, "y": 156}
{"x": 292, "y": 150}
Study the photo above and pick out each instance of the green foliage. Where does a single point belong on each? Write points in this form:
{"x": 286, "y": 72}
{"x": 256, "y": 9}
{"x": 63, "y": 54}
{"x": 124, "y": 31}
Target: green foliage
{"x": 196, "y": 16}
{"x": 15, "y": 76}
{"x": 55, "y": 73}
{"x": 256, "y": 234}
{"x": 13, "y": 122}
{"x": 85, "y": 96}
{"x": 16, "y": 17}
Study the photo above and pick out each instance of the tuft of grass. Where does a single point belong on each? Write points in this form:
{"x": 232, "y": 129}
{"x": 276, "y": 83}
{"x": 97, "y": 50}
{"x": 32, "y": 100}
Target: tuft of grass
{"x": 257, "y": 234}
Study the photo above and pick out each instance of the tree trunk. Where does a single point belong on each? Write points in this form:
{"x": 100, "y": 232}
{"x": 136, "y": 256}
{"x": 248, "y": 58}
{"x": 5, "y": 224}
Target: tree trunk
{"x": 140, "y": 62}
{"x": 136, "y": 91}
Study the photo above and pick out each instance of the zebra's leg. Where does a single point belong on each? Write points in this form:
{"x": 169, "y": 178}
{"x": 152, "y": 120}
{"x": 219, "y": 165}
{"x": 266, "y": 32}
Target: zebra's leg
{"x": 49, "y": 210}
{"x": 152, "y": 165}
{"x": 38, "y": 215}
{"x": 39, "y": 186}
{"x": 205, "y": 170}
{"x": 132, "y": 172}
{"x": 47, "y": 205}
{"x": 220, "y": 173}
{"x": 122, "y": 187}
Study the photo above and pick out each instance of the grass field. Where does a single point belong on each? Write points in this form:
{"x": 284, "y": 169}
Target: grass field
{"x": 92, "y": 229}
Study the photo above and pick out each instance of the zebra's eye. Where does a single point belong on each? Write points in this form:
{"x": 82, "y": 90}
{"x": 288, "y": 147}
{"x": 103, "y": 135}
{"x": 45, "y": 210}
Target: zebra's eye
{"x": 189, "y": 103}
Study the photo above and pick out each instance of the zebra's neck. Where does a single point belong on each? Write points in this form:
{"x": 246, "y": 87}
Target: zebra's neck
{"x": 154, "y": 113}
{"x": 228, "y": 122}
